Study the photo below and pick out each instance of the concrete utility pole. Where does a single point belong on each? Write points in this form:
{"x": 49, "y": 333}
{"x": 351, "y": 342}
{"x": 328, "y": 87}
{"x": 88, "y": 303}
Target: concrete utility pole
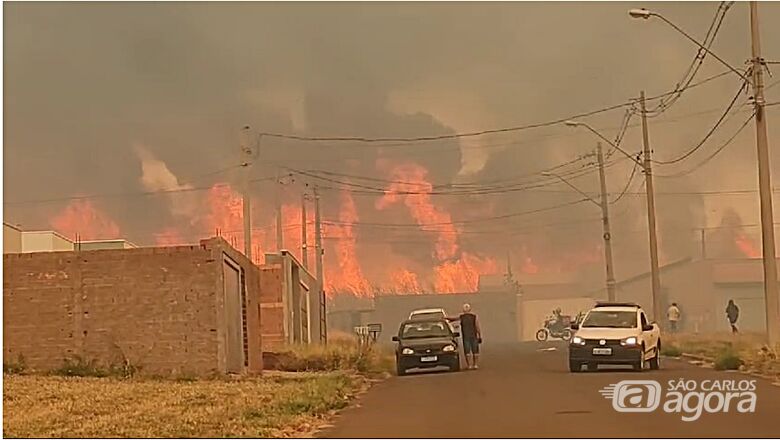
{"x": 603, "y": 204}
{"x": 246, "y": 163}
{"x": 606, "y": 229}
{"x": 651, "y": 226}
{"x": 764, "y": 185}
{"x": 304, "y": 246}
{"x": 320, "y": 271}
{"x": 279, "y": 222}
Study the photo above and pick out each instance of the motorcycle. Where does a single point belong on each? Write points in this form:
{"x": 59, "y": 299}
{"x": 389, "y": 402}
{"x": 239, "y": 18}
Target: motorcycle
{"x": 559, "y": 328}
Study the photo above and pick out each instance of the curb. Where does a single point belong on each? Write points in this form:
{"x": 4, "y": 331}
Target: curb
{"x": 773, "y": 380}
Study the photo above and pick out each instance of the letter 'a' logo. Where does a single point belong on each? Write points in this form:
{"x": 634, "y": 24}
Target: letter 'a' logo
{"x": 633, "y": 395}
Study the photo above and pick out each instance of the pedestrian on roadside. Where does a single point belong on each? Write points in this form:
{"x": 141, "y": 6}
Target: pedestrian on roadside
{"x": 732, "y": 312}
{"x": 472, "y": 337}
{"x": 673, "y": 315}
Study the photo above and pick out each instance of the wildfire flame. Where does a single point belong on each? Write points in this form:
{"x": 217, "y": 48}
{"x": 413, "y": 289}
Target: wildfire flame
{"x": 747, "y": 246}
{"x": 80, "y": 218}
{"x": 456, "y": 271}
{"x": 411, "y": 186}
{"x": 405, "y": 281}
{"x": 349, "y": 277}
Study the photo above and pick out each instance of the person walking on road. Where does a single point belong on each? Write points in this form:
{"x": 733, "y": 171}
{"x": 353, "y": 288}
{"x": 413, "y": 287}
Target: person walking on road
{"x": 732, "y": 312}
{"x": 673, "y": 315}
{"x": 472, "y": 337}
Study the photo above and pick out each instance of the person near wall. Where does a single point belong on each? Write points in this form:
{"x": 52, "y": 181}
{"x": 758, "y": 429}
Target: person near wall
{"x": 673, "y": 315}
{"x": 472, "y": 337}
{"x": 732, "y": 313}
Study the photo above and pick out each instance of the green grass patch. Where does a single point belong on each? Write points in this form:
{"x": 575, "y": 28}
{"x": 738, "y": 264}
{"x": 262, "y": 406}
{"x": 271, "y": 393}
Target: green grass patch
{"x": 728, "y": 360}
{"x": 671, "y": 350}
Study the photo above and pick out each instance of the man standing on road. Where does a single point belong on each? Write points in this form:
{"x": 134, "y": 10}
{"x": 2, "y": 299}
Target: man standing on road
{"x": 673, "y": 315}
{"x": 472, "y": 337}
{"x": 732, "y": 312}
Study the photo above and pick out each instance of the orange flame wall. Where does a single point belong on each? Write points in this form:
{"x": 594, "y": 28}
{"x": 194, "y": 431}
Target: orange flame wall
{"x": 80, "y": 218}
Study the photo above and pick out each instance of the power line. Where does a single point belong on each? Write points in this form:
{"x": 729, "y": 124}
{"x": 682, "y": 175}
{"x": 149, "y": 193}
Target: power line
{"x": 709, "y": 133}
{"x": 628, "y": 184}
{"x": 464, "y": 222}
{"x": 696, "y": 63}
{"x": 134, "y": 194}
{"x": 419, "y": 139}
{"x": 711, "y": 156}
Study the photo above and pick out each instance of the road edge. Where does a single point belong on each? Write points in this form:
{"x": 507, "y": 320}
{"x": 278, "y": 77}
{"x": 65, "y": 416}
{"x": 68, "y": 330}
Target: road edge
{"x": 701, "y": 360}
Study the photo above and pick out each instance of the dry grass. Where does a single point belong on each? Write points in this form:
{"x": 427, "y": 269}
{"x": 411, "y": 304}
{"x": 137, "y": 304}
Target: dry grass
{"x": 343, "y": 354}
{"x": 280, "y": 405}
{"x": 747, "y": 349}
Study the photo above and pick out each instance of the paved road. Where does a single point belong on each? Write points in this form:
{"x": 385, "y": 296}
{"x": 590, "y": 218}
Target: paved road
{"x": 523, "y": 392}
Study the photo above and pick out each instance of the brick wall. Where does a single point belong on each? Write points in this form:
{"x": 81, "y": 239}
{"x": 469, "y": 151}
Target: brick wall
{"x": 157, "y": 308}
{"x": 272, "y": 305}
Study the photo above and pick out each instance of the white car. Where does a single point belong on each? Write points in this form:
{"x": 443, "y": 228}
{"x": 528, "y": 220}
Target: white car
{"x": 615, "y": 333}
{"x": 428, "y": 314}
{"x": 437, "y": 313}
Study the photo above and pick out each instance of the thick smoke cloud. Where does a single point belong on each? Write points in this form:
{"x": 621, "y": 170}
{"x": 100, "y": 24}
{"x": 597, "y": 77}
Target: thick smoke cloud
{"x": 85, "y": 83}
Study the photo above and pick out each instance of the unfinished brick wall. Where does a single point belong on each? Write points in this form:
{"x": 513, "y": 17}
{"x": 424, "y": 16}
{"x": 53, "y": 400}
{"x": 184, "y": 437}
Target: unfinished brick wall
{"x": 159, "y": 309}
{"x": 272, "y": 305}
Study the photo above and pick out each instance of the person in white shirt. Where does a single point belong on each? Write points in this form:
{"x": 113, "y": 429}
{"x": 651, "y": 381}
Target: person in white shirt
{"x": 673, "y": 315}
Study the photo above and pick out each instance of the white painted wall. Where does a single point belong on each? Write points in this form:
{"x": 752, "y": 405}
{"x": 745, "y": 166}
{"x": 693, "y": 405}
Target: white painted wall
{"x": 12, "y": 240}
{"x": 44, "y": 241}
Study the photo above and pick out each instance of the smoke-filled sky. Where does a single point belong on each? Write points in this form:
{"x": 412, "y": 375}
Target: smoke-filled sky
{"x": 122, "y": 98}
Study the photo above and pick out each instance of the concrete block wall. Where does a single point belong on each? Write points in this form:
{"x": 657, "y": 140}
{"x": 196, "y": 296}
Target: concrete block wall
{"x": 157, "y": 308}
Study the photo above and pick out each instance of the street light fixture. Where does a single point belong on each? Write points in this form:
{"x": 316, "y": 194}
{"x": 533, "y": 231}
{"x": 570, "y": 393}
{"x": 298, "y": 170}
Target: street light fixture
{"x": 771, "y": 298}
{"x": 640, "y": 13}
{"x": 645, "y": 14}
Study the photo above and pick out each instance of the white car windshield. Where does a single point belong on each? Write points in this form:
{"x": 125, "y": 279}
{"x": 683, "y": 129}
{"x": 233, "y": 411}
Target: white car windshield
{"x": 603, "y": 318}
{"x": 427, "y": 315}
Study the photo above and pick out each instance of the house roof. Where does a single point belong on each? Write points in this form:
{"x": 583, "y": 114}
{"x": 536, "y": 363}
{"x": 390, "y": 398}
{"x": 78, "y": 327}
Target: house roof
{"x": 663, "y": 268}
{"x": 16, "y": 228}
{"x": 54, "y": 233}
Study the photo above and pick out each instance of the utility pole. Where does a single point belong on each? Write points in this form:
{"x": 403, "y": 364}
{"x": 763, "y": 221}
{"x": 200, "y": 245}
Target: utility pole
{"x": 764, "y": 185}
{"x": 647, "y": 169}
{"x": 703, "y": 244}
{"x": 304, "y": 246}
{"x": 605, "y": 222}
{"x": 319, "y": 252}
{"x": 279, "y": 223}
{"x": 246, "y": 163}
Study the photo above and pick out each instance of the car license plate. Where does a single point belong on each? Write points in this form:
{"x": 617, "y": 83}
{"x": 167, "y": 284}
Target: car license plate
{"x": 428, "y": 359}
{"x": 602, "y": 351}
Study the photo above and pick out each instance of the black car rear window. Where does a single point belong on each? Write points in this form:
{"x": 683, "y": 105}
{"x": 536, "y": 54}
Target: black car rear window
{"x": 428, "y": 329}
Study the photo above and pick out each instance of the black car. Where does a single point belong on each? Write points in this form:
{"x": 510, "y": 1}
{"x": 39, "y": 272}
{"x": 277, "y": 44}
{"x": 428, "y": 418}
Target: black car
{"x": 426, "y": 343}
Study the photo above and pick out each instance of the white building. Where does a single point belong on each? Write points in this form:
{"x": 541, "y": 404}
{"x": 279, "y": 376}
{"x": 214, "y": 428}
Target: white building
{"x": 92, "y": 245}
{"x": 45, "y": 241}
{"x": 12, "y": 239}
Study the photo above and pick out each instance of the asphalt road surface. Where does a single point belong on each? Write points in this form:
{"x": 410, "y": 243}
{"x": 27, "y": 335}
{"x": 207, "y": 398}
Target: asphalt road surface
{"x": 520, "y": 391}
